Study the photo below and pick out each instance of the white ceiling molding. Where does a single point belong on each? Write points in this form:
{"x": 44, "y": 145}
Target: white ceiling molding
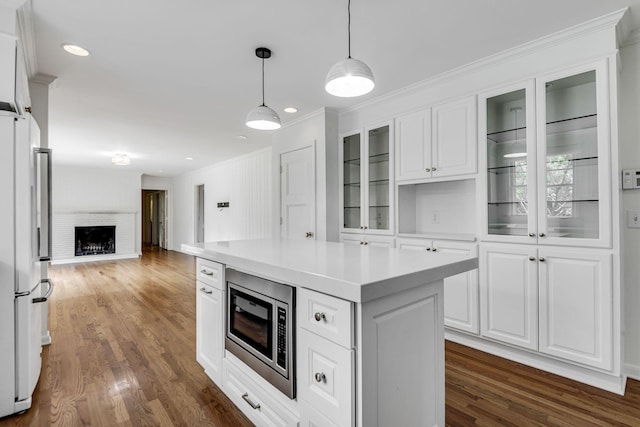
{"x": 26, "y": 34}
{"x": 44, "y": 79}
{"x": 607, "y": 21}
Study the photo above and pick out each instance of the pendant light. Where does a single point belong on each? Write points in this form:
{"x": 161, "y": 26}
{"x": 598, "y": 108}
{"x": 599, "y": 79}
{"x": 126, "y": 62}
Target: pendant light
{"x": 263, "y": 117}
{"x": 349, "y": 77}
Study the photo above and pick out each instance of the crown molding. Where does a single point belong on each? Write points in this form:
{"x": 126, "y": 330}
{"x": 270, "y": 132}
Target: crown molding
{"x": 43, "y": 79}
{"x": 610, "y": 20}
{"x": 27, "y": 36}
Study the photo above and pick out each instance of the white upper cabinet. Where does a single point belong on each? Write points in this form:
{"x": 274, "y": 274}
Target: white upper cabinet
{"x": 437, "y": 142}
{"x": 366, "y": 182}
{"x": 545, "y": 159}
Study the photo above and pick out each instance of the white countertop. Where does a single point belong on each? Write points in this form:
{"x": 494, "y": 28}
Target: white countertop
{"x": 352, "y": 272}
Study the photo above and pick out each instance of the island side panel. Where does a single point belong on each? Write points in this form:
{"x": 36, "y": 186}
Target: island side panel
{"x": 401, "y": 359}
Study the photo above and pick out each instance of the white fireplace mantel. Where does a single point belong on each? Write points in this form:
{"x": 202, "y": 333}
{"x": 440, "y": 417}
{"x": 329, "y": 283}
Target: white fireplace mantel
{"x": 63, "y": 234}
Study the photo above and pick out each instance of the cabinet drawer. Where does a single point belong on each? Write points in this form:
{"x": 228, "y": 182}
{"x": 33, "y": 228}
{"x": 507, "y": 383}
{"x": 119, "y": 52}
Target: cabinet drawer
{"x": 310, "y": 417}
{"x": 326, "y": 377}
{"x": 210, "y": 272}
{"x": 327, "y": 316}
{"x": 254, "y": 401}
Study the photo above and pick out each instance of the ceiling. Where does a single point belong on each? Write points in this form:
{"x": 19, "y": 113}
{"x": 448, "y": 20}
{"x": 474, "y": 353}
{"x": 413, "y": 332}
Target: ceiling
{"x": 168, "y": 80}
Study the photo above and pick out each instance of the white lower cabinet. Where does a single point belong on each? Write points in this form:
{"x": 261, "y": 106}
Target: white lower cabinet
{"x": 368, "y": 240}
{"x": 557, "y": 301}
{"x": 257, "y": 403}
{"x": 325, "y": 377}
{"x": 460, "y": 291}
{"x": 210, "y": 329}
{"x": 576, "y": 318}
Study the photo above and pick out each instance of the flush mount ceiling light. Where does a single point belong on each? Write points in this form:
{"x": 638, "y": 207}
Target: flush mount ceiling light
{"x": 75, "y": 50}
{"x": 349, "y": 77}
{"x": 120, "y": 159}
{"x": 263, "y": 117}
{"x": 291, "y": 110}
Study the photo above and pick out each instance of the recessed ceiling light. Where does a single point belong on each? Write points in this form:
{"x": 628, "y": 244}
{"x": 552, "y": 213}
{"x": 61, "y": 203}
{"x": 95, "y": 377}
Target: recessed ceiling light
{"x": 189, "y": 158}
{"x": 241, "y": 136}
{"x": 291, "y": 110}
{"x": 120, "y": 159}
{"x": 75, "y": 50}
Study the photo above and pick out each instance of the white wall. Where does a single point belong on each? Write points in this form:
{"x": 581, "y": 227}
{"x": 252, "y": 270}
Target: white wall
{"x": 629, "y": 112}
{"x": 319, "y": 128}
{"x": 245, "y": 182}
{"x": 82, "y": 190}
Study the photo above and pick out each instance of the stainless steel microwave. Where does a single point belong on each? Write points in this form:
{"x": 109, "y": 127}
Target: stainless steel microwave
{"x": 260, "y": 327}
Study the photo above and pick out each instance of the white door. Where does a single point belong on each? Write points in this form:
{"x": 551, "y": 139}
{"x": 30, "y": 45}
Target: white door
{"x": 509, "y": 294}
{"x": 298, "y": 193}
{"x": 576, "y": 321}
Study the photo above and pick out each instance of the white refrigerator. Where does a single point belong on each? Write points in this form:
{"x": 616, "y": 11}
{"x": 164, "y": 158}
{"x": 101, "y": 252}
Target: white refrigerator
{"x": 25, "y": 248}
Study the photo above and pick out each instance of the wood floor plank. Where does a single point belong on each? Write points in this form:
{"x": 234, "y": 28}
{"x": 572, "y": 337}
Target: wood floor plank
{"x": 123, "y": 354}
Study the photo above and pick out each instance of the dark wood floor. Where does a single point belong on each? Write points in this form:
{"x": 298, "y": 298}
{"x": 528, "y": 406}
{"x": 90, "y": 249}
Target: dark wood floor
{"x": 123, "y": 353}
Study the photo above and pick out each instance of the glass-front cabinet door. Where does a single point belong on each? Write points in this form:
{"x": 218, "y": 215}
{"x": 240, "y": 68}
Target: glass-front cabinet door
{"x": 546, "y": 171}
{"x": 574, "y": 175}
{"x": 366, "y": 159}
{"x": 352, "y": 181}
{"x": 510, "y": 168}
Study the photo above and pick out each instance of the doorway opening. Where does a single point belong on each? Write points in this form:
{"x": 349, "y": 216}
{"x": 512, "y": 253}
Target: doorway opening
{"x": 154, "y": 219}
{"x": 199, "y": 232}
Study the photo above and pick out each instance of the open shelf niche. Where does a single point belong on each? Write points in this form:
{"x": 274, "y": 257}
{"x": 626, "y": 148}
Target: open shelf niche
{"x": 438, "y": 210}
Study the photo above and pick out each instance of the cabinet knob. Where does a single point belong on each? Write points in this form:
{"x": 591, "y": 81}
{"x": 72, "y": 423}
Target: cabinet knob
{"x": 532, "y": 258}
{"x": 361, "y": 228}
{"x": 433, "y": 169}
{"x": 308, "y": 234}
{"x": 319, "y": 316}
{"x": 427, "y": 170}
{"x": 532, "y": 234}
{"x": 366, "y": 228}
{"x": 435, "y": 249}
{"x": 362, "y": 243}
{"x": 428, "y": 249}
{"x": 542, "y": 234}
{"x": 366, "y": 243}
{"x": 320, "y": 377}
{"x": 541, "y": 259}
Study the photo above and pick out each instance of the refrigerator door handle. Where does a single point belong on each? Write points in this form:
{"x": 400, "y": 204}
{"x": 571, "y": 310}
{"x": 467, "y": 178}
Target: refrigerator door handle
{"x": 47, "y": 295}
{"x": 43, "y": 181}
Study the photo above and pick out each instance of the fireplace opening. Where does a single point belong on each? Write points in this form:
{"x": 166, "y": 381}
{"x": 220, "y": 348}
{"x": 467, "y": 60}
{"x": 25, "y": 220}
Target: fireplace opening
{"x": 98, "y": 240}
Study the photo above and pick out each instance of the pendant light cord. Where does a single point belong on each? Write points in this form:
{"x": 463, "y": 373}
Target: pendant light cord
{"x": 349, "y": 26}
{"x": 263, "y": 82}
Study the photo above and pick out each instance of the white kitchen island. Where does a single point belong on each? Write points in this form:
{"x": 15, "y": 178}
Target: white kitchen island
{"x": 378, "y": 346}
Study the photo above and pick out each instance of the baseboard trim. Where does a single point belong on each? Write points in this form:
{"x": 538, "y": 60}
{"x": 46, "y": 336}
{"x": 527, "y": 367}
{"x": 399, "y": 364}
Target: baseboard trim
{"x": 609, "y": 382}
{"x": 632, "y": 371}
{"x": 92, "y": 258}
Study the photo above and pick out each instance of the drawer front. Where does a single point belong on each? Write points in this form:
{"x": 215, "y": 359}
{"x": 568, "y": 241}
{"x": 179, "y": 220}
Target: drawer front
{"x": 254, "y": 401}
{"x": 326, "y": 377}
{"x": 210, "y": 272}
{"x": 327, "y": 316}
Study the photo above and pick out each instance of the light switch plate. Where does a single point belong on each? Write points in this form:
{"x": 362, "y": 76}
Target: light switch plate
{"x": 633, "y": 219}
